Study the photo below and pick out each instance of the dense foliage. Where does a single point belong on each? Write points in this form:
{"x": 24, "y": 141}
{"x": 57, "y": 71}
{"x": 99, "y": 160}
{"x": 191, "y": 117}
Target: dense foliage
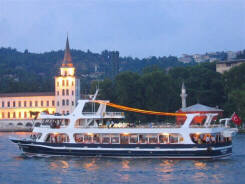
{"x": 156, "y": 89}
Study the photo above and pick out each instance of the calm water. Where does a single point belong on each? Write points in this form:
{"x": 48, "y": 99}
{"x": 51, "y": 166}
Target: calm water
{"x": 16, "y": 168}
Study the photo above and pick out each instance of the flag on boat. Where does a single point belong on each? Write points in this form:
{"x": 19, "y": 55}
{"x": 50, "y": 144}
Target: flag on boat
{"x": 235, "y": 118}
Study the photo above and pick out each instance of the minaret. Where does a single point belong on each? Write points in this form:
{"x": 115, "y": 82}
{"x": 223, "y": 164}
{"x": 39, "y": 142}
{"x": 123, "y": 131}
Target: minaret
{"x": 67, "y": 86}
{"x": 183, "y": 95}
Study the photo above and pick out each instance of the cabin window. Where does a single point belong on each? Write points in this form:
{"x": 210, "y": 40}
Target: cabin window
{"x": 96, "y": 139}
{"x": 115, "y": 139}
{"x": 105, "y": 138}
{"x": 79, "y": 138}
{"x": 175, "y": 138}
{"x": 124, "y": 139}
{"x": 88, "y": 138}
{"x": 142, "y": 139}
{"x": 152, "y": 139}
{"x": 163, "y": 139}
{"x": 57, "y": 138}
{"x": 133, "y": 139}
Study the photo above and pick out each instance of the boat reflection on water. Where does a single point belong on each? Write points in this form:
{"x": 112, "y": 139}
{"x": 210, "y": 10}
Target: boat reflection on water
{"x": 91, "y": 165}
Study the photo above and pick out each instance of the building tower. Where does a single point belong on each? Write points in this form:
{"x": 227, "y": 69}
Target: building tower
{"x": 67, "y": 86}
{"x": 183, "y": 95}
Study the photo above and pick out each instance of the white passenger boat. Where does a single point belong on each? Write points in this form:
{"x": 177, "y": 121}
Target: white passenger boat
{"x": 99, "y": 133}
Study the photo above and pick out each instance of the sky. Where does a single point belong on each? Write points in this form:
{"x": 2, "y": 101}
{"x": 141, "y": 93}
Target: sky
{"x": 136, "y": 28}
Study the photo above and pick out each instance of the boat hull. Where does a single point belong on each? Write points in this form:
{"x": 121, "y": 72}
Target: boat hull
{"x": 169, "y": 151}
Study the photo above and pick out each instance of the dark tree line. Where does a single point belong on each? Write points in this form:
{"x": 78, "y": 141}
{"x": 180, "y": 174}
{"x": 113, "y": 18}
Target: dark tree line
{"x": 156, "y": 89}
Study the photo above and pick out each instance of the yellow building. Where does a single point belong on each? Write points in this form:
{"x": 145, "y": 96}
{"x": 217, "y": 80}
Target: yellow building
{"x": 23, "y": 106}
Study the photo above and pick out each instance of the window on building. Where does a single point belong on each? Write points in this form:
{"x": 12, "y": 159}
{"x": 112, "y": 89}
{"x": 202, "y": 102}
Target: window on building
{"x": 19, "y": 114}
{"x": 13, "y": 103}
{"x": 67, "y": 112}
{"x": 63, "y": 102}
{"x": 63, "y": 92}
{"x": 63, "y": 83}
{"x": 14, "y": 115}
{"x": 24, "y": 103}
{"x": 25, "y": 114}
{"x": 67, "y": 83}
{"x": 47, "y": 103}
{"x": 36, "y": 103}
{"x": 58, "y": 93}
{"x": 72, "y": 103}
{"x": 63, "y": 112}
{"x": 58, "y": 103}
{"x": 67, "y": 102}
{"x": 41, "y": 103}
{"x": 72, "y": 83}
{"x": 30, "y": 103}
{"x": 2, "y": 104}
{"x": 57, "y": 83}
{"x": 19, "y": 103}
{"x": 8, "y": 104}
{"x": 72, "y": 92}
{"x": 8, "y": 114}
{"x": 67, "y": 92}
{"x": 52, "y": 102}
{"x": 2, "y": 115}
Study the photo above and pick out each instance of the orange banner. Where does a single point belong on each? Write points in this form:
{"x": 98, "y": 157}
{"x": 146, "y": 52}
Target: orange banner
{"x": 125, "y": 108}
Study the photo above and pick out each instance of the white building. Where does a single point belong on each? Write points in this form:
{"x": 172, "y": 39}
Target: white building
{"x": 22, "y": 107}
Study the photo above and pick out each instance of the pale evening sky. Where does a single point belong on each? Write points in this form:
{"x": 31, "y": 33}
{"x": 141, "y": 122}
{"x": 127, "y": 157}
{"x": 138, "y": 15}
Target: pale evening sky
{"x": 137, "y": 28}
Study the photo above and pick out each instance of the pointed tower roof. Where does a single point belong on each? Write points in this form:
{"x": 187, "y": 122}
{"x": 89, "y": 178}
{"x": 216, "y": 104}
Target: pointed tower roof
{"x": 183, "y": 85}
{"x": 67, "y": 61}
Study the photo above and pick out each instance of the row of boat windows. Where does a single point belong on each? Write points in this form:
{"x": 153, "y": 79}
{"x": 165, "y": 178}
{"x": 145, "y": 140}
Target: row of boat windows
{"x": 28, "y": 103}
{"x": 209, "y": 138}
{"x": 128, "y": 139}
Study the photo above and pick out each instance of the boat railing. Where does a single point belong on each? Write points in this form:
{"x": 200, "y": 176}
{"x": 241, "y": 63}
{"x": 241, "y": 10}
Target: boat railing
{"x": 209, "y": 126}
{"x": 137, "y": 126}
